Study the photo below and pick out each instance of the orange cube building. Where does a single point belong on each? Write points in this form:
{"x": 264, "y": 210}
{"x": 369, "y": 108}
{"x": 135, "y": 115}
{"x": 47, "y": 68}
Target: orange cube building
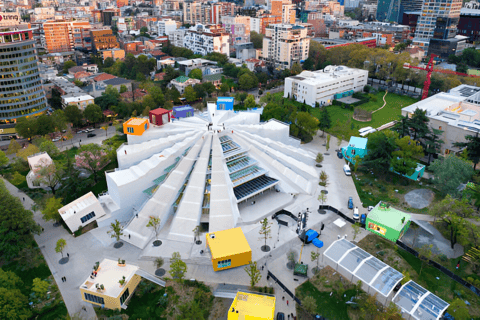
{"x": 135, "y": 126}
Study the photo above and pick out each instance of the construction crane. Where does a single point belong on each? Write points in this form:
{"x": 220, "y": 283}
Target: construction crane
{"x": 429, "y": 69}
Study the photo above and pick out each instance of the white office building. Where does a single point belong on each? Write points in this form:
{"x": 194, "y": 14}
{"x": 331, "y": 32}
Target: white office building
{"x": 323, "y": 86}
{"x": 205, "y": 39}
{"x": 167, "y": 27}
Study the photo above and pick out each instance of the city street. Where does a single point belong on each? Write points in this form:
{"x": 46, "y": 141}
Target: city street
{"x": 82, "y": 139}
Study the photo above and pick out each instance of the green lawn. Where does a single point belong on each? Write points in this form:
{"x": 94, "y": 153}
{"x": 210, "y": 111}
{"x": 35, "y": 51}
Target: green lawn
{"x": 328, "y": 305}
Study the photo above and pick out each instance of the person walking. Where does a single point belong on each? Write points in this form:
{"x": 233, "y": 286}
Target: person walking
{"x": 23, "y": 199}
{"x": 287, "y": 302}
{"x": 283, "y": 298}
{"x": 68, "y": 255}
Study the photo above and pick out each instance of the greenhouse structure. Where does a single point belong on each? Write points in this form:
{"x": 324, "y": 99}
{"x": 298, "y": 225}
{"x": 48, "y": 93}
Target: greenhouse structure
{"x": 356, "y": 264}
{"x": 417, "y": 302}
{"x": 379, "y": 278}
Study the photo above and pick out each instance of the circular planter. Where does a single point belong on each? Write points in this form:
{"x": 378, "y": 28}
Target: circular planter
{"x": 322, "y": 211}
{"x": 315, "y": 270}
{"x": 326, "y": 154}
{"x": 318, "y": 165}
{"x": 324, "y": 191}
{"x": 160, "y": 272}
{"x": 265, "y": 248}
{"x": 290, "y": 265}
{"x": 118, "y": 245}
{"x": 157, "y": 243}
{"x": 56, "y": 224}
{"x": 199, "y": 242}
{"x": 63, "y": 260}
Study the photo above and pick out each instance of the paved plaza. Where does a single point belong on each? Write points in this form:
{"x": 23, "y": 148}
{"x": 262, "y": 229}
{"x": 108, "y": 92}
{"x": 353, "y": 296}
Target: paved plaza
{"x": 96, "y": 245}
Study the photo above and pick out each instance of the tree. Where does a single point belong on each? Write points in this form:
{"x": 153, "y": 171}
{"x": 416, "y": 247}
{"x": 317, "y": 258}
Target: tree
{"x": 473, "y": 148}
{"x": 59, "y": 120}
{"x": 224, "y": 88}
{"x": 322, "y": 197}
{"x": 159, "y": 262}
{"x": 49, "y": 173}
{"x": 419, "y": 124}
{"x": 253, "y": 272}
{"x": 404, "y": 159}
{"x": 250, "y": 102}
{"x": 306, "y": 122}
{"x": 380, "y": 146}
{"x": 459, "y": 310}
{"x": 123, "y": 88}
{"x": 209, "y": 87}
{"x": 324, "y": 121}
{"x": 296, "y": 69}
{"x": 265, "y": 231}
{"x": 93, "y": 113}
{"x": 257, "y": 39}
{"x": 49, "y": 147}
{"x": 314, "y": 256}
{"x": 450, "y": 172}
{"x": 146, "y": 111}
{"x": 178, "y": 268}
{"x": 14, "y": 305}
{"x": 13, "y": 147}
{"x": 310, "y": 304}
{"x": 116, "y": 230}
{"x": 356, "y": 229}
{"x": 196, "y": 74}
{"x": 73, "y": 115}
{"x": 319, "y": 158}
{"x": 93, "y": 158}
{"x": 154, "y": 223}
{"x": 190, "y": 94}
{"x": 9, "y": 280}
{"x": 454, "y": 214}
{"x": 17, "y": 178}
{"x": 51, "y": 209}
{"x": 143, "y": 30}
{"x": 3, "y": 159}
{"x": 402, "y": 126}
{"x": 67, "y": 65}
{"x": 61, "y": 244}
{"x": 327, "y": 145}
{"x": 433, "y": 143}
{"x": 357, "y": 160}
{"x": 26, "y": 127}
{"x": 424, "y": 253}
{"x": 247, "y": 81}
{"x": 28, "y": 151}
{"x": 323, "y": 178}
{"x": 40, "y": 287}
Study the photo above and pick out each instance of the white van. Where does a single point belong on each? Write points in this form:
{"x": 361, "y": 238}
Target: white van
{"x": 356, "y": 216}
{"x": 347, "y": 171}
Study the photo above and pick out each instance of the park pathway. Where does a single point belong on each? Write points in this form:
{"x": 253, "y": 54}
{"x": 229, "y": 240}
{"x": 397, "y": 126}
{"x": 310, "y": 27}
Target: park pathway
{"x": 384, "y": 103}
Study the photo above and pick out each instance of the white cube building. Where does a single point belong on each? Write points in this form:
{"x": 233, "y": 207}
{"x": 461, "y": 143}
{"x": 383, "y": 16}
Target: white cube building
{"x": 82, "y": 211}
{"x": 323, "y": 86}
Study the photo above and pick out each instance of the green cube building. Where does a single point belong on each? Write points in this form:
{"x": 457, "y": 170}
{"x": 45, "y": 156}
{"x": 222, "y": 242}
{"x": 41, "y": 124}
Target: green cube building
{"x": 387, "y": 222}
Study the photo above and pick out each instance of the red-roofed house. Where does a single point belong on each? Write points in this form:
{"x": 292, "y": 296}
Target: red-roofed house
{"x": 103, "y": 77}
{"x": 82, "y": 75}
{"x": 160, "y": 116}
{"x": 139, "y": 94}
{"x": 160, "y": 76}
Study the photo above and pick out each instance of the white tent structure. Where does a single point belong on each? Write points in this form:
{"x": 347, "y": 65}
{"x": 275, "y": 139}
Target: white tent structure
{"x": 418, "y": 303}
{"x": 415, "y": 302}
{"x": 356, "y": 264}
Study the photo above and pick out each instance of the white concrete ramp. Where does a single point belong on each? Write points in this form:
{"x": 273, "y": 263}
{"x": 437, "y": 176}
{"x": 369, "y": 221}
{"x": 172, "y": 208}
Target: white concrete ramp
{"x": 189, "y": 210}
{"x": 160, "y": 205}
{"x": 222, "y": 214}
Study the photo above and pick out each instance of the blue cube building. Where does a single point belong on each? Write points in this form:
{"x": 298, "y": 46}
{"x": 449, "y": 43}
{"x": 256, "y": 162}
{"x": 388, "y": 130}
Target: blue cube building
{"x": 356, "y": 147}
{"x": 183, "y": 111}
{"x": 225, "y": 103}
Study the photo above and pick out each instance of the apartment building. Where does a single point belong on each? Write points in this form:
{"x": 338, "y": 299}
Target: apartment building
{"x": 323, "y": 86}
{"x": 203, "y": 39}
{"x": 286, "y": 44}
{"x": 238, "y": 27}
{"x": 103, "y": 40}
{"x": 115, "y": 54}
{"x": 267, "y": 20}
{"x": 439, "y": 19}
{"x": 206, "y": 13}
{"x": 63, "y": 36}
{"x": 285, "y": 9}
{"x": 166, "y": 27}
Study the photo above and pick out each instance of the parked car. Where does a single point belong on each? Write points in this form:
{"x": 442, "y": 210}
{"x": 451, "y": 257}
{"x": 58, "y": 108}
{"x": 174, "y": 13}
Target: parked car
{"x": 363, "y": 218}
{"x": 347, "y": 171}
{"x": 80, "y": 131}
{"x": 91, "y": 135}
{"x": 339, "y": 155}
{"x": 280, "y": 316}
{"x": 356, "y": 216}
{"x": 350, "y": 203}
{"x": 370, "y": 208}
{"x": 55, "y": 139}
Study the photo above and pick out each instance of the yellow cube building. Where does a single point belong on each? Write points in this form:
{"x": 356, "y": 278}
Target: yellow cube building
{"x": 113, "y": 295}
{"x": 135, "y": 126}
{"x": 229, "y": 249}
{"x": 252, "y": 307}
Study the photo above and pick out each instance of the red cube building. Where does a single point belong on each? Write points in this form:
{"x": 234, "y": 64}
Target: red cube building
{"x": 160, "y": 116}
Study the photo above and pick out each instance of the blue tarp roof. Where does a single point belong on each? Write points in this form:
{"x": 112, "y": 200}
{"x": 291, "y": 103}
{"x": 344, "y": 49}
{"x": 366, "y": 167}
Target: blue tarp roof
{"x": 360, "y": 143}
{"x": 182, "y": 108}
